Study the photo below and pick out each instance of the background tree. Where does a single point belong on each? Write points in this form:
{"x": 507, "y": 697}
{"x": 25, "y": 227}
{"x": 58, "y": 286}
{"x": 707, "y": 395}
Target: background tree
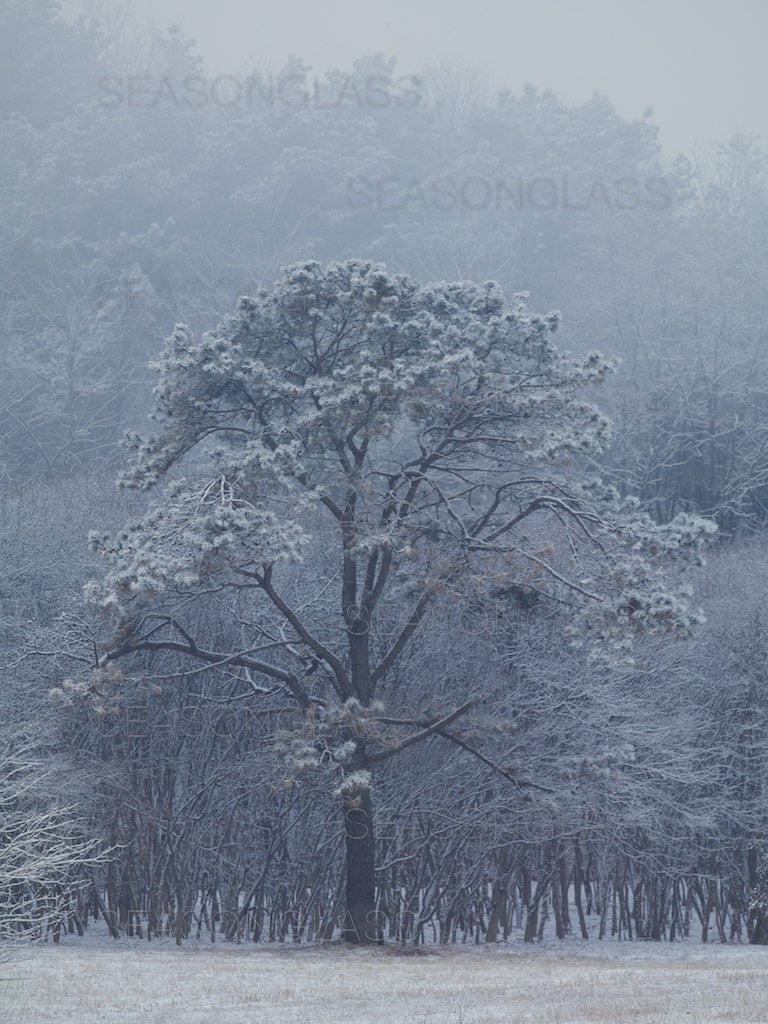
{"x": 43, "y": 851}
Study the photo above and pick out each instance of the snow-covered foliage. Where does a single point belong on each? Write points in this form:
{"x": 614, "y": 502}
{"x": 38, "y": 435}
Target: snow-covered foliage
{"x": 406, "y": 416}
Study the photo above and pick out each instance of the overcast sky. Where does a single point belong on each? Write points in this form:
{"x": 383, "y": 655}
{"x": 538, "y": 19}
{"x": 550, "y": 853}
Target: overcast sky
{"x": 701, "y": 64}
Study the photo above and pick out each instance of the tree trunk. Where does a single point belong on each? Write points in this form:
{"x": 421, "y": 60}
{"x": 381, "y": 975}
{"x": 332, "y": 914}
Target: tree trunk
{"x": 360, "y": 923}
{"x": 578, "y": 877}
{"x": 498, "y": 899}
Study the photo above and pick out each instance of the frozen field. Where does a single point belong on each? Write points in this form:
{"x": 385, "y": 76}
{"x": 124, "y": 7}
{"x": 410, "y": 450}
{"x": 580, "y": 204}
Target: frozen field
{"x": 559, "y": 985}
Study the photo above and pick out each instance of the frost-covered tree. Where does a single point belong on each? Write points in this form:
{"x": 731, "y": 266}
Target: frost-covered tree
{"x": 42, "y": 851}
{"x": 357, "y": 451}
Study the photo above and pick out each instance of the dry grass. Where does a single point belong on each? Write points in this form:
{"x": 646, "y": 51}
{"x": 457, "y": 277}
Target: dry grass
{"x": 568, "y": 985}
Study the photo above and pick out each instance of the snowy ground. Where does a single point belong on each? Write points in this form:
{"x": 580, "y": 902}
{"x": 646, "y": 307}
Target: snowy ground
{"x": 569, "y": 984}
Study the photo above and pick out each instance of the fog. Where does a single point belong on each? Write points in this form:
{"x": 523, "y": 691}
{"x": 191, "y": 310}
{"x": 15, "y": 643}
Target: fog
{"x": 699, "y": 66}
{"x": 383, "y": 481}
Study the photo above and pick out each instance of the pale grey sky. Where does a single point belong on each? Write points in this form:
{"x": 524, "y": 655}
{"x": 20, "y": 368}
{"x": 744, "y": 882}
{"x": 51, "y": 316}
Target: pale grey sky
{"x": 701, "y": 64}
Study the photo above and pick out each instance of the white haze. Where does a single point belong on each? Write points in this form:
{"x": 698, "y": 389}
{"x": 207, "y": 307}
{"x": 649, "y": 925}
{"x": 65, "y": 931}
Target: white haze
{"x": 700, "y": 66}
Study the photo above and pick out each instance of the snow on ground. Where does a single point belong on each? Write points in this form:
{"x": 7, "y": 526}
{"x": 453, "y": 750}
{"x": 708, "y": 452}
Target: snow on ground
{"x": 568, "y": 984}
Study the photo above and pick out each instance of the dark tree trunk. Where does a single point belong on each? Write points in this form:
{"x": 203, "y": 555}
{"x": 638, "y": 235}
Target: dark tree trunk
{"x": 360, "y": 923}
{"x": 578, "y": 879}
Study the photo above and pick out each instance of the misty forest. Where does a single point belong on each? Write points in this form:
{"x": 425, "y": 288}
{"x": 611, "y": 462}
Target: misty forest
{"x": 383, "y": 507}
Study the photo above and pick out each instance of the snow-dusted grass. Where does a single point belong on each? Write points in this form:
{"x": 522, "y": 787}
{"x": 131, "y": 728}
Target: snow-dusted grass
{"x": 572, "y": 984}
